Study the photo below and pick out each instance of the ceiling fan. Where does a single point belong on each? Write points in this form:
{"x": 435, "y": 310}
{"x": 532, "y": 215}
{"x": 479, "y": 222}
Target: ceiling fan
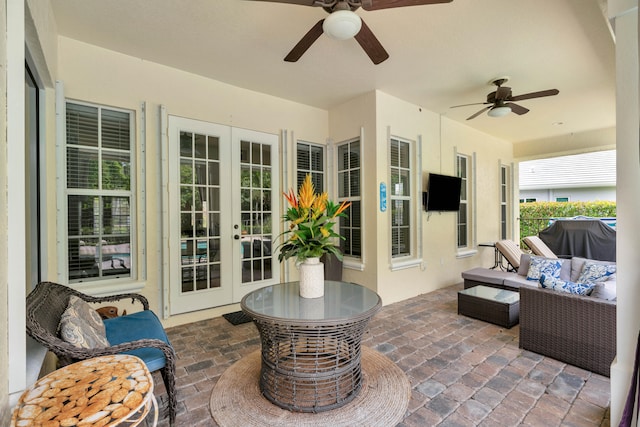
{"x": 343, "y": 23}
{"x": 500, "y": 100}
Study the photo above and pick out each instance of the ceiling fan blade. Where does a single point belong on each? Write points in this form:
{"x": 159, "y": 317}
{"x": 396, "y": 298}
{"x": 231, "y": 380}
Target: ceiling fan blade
{"x": 305, "y": 42}
{"x": 540, "y": 94}
{"x": 466, "y": 105}
{"x": 518, "y": 109}
{"x": 371, "y": 45}
{"x": 479, "y": 112}
{"x": 388, "y": 4}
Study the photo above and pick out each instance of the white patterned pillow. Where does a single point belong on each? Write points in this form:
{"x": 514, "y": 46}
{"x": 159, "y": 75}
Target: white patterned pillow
{"x": 595, "y": 272}
{"x": 82, "y": 326}
{"x": 566, "y": 286}
{"x": 540, "y": 265}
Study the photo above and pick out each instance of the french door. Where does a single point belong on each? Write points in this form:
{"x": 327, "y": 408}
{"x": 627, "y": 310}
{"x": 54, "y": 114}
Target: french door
{"x": 223, "y": 213}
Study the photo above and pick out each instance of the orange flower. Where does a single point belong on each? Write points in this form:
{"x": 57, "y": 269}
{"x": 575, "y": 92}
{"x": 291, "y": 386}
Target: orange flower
{"x": 343, "y": 206}
{"x": 306, "y": 194}
{"x": 291, "y": 198}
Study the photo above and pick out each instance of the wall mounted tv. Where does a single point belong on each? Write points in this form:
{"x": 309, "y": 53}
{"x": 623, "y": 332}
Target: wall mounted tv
{"x": 443, "y": 193}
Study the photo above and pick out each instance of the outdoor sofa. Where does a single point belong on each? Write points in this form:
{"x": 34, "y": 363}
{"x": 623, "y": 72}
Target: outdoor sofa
{"x": 576, "y": 329}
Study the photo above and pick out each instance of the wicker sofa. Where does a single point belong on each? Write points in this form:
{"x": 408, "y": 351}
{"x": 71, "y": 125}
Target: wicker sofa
{"x": 578, "y": 330}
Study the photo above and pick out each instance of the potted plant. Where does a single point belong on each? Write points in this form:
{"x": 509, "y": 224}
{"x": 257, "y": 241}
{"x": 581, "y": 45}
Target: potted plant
{"x": 310, "y": 234}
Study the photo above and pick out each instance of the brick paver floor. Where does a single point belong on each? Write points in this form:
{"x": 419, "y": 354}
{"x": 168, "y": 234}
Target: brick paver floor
{"x": 463, "y": 372}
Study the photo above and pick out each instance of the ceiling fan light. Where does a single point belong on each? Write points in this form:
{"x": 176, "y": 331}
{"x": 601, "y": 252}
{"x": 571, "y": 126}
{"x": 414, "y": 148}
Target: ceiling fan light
{"x": 499, "y": 111}
{"x": 342, "y": 25}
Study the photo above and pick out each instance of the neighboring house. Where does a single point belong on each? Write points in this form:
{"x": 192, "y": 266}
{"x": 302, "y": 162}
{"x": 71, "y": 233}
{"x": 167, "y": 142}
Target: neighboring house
{"x": 580, "y": 177}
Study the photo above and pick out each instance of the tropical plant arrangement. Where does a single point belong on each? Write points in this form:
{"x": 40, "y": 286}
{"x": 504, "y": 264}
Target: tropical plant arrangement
{"x": 311, "y": 219}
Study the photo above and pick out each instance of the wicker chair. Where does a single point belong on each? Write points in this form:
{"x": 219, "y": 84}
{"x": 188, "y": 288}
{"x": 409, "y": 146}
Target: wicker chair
{"x": 47, "y": 302}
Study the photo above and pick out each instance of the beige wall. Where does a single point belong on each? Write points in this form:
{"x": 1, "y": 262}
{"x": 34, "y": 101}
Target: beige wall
{"x": 96, "y": 75}
{"x": 380, "y": 114}
{"x": 4, "y": 243}
{"x": 109, "y": 78}
{"x": 354, "y": 119}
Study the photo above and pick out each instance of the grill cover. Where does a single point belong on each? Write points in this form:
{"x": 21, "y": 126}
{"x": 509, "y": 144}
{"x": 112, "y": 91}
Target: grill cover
{"x": 587, "y": 238}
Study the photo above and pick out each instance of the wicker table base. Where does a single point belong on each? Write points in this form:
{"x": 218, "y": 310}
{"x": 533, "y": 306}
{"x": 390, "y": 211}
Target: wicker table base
{"x": 311, "y": 355}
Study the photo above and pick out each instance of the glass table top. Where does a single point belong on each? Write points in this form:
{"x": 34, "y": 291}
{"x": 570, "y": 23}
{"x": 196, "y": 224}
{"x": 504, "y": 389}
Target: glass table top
{"x": 493, "y": 294}
{"x": 341, "y": 300}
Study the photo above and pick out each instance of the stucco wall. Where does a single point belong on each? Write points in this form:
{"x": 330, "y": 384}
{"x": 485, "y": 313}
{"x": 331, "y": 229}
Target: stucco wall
{"x": 380, "y": 114}
{"x": 93, "y": 74}
{"x": 4, "y": 243}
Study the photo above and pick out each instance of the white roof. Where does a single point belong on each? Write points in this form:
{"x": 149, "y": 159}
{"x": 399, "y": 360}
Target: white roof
{"x": 596, "y": 169}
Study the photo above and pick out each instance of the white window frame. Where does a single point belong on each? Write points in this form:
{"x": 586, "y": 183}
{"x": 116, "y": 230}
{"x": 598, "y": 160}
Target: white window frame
{"x": 351, "y": 261}
{"x": 469, "y": 248}
{"x": 505, "y": 198}
{"x": 314, "y": 172}
{"x": 102, "y": 285}
{"x": 407, "y": 195}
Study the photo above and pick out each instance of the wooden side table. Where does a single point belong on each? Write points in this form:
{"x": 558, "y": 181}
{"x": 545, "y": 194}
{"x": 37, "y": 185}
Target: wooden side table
{"x": 103, "y": 391}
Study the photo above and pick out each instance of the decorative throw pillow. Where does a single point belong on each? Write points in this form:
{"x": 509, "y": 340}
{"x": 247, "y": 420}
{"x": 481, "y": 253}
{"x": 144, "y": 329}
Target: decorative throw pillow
{"x": 547, "y": 266}
{"x": 577, "y": 264}
{"x": 604, "y": 290}
{"x": 595, "y": 272}
{"x": 82, "y": 326}
{"x": 566, "y": 286}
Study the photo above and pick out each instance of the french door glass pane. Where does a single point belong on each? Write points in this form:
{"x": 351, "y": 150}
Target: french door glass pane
{"x": 255, "y": 211}
{"x": 199, "y": 212}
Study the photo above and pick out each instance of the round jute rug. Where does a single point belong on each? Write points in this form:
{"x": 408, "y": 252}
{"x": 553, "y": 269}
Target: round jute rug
{"x": 382, "y": 402}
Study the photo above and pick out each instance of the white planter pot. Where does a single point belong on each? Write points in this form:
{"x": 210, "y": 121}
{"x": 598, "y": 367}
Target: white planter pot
{"x": 311, "y": 278}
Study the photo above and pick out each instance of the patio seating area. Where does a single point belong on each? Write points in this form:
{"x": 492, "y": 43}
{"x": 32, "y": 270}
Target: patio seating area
{"x": 463, "y": 372}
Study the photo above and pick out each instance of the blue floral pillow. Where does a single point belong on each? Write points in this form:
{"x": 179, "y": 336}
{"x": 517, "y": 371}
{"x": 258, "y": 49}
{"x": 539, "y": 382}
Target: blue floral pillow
{"x": 595, "y": 272}
{"x": 566, "y": 286}
{"x": 540, "y": 265}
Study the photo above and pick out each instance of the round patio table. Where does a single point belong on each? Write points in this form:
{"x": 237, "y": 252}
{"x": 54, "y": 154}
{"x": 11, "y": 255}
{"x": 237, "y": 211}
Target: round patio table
{"x": 311, "y": 347}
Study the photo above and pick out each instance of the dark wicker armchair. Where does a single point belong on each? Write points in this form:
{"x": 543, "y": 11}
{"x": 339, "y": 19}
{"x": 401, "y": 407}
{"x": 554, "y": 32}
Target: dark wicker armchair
{"x": 47, "y": 302}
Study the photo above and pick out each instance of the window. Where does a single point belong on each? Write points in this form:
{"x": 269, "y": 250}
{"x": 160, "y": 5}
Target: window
{"x": 349, "y": 188}
{"x": 505, "y": 176}
{"x": 562, "y": 199}
{"x": 462, "y": 169}
{"x": 400, "y": 198}
{"x": 310, "y": 160}
{"x": 99, "y": 196}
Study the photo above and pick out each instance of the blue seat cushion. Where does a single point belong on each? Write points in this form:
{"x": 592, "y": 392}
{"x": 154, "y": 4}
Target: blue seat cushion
{"x": 141, "y": 325}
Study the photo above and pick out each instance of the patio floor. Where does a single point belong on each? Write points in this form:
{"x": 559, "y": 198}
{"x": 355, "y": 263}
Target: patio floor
{"x": 463, "y": 372}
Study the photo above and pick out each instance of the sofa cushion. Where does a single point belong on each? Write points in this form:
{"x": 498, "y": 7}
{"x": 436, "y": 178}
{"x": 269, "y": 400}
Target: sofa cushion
{"x": 539, "y": 266}
{"x": 132, "y": 327}
{"x": 605, "y": 290}
{"x": 81, "y": 325}
{"x": 594, "y": 271}
{"x": 486, "y": 275}
{"x": 525, "y": 260}
{"x": 515, "y": 281}
{"x": 566, "y": 285}
{"x": 577, "y": 265}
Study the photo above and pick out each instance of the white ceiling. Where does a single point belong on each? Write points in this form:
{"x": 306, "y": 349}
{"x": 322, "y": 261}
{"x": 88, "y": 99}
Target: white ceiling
{"x": 440, "y": 55}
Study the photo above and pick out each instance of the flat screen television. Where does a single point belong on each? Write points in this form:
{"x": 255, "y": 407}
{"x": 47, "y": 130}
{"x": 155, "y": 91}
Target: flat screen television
{"x": 443, "y": 193}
